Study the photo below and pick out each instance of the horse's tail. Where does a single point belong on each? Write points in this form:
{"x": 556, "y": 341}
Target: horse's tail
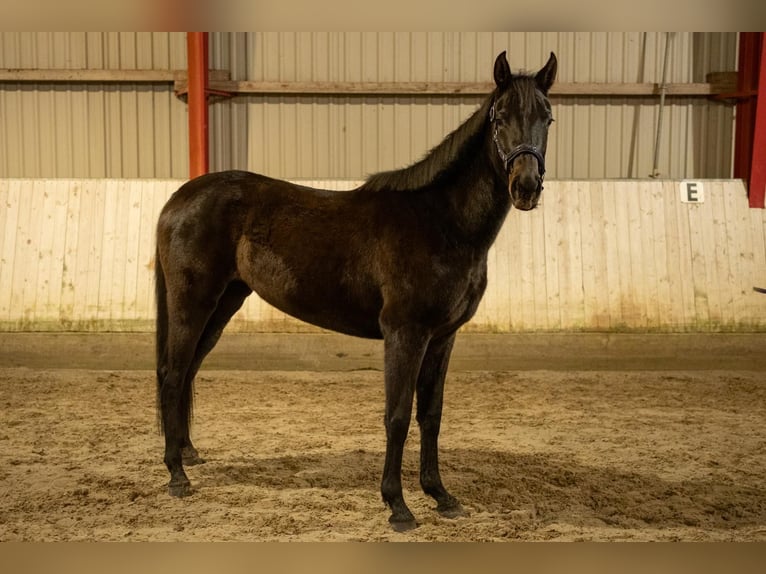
{"x": 161, "y": 331}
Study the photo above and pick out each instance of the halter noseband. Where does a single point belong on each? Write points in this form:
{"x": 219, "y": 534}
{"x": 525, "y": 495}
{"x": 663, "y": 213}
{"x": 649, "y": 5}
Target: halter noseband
{"x": 521, "y": 149}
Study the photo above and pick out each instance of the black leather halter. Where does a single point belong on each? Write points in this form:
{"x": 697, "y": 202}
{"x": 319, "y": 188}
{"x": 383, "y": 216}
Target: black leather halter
{"x": 521, "y": 149}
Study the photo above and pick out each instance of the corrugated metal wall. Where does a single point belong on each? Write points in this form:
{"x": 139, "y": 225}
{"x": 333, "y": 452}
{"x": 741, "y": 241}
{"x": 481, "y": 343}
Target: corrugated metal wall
{"x": 601, "y": 256}
{"x": 140, "y": 130}
{"x": 594, "y": 137}
{"x": 92, "y": 130}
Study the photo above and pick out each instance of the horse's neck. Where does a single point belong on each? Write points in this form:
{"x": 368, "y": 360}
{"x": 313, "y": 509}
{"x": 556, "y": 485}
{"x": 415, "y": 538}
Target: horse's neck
{"x": 478, "y": 203}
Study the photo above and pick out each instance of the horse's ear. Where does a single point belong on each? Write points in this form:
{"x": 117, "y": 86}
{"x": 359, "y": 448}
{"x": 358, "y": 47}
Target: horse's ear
{"x": 547, "y": 74}
{"x": 502, "y": 71}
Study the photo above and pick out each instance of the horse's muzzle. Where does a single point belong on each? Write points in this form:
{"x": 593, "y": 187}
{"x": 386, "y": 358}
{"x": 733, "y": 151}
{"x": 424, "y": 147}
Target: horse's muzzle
{"x": 525, "y": 191}
{"x": 525, "y": 178}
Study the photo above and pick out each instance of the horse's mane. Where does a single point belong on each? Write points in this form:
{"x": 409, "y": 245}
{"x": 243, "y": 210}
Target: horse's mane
{"x": 459, "y": 146}
{"x": 441, "y": 161}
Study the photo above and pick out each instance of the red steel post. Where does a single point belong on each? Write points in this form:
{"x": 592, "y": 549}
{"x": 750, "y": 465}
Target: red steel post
{"x": 747, "y": 80}
{"x": 756, "y": 189}
{"x": 197, "y": 58}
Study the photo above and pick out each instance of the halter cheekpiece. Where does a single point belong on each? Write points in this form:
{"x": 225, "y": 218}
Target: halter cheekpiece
{"x": 521, "y": 149}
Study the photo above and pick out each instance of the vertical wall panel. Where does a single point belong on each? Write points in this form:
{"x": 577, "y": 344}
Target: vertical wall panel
{"x": 596, "y": 256}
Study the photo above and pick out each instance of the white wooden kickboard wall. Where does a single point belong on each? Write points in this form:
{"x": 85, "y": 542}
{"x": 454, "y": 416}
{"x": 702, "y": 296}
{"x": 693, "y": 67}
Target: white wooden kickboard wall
{"x": 78, "y": 255}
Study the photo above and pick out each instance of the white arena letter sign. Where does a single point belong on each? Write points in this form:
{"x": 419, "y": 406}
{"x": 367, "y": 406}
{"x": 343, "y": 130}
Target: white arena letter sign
{"x": 692, "y": 192}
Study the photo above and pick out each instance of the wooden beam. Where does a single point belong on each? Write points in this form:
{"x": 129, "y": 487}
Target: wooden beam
{"x": 44, "y": 76}
{"x": 723, "y": 85}
{"x": 720, "y": 84}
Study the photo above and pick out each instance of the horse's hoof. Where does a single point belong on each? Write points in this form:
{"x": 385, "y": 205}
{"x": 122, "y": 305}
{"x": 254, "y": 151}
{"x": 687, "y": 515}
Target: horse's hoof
{"x": 452, "y": 511}
{"x": 192, "y": 460}
{"x": 403, "y": 525}
{"x": 180, "y": 489}
{"x": 190, "y": 457}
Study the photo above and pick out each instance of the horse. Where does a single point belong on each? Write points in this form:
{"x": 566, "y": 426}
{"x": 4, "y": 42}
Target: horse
{"x": 401, "y": 258}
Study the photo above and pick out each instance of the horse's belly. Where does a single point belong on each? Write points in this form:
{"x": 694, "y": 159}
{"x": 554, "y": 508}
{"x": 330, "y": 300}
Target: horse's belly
{"x": 334, "y": 313}
{"x": 314, "y": 294}
{"x": 341, "y": 322}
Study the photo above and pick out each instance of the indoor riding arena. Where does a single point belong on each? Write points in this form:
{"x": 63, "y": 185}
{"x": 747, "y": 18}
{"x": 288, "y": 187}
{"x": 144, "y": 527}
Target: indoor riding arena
{"x": 609, "y": 386}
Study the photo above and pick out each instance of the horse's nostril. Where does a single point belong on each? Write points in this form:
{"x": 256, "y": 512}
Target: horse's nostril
{"x": 525, "y": 191}
{"x": 528, "y": 185}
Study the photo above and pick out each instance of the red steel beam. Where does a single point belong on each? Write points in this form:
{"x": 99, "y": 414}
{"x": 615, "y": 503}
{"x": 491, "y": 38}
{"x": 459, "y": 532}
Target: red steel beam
{"x": 197, "y": 58}
{"x": 747, "y": 82}
{"x": 757, "y": 185}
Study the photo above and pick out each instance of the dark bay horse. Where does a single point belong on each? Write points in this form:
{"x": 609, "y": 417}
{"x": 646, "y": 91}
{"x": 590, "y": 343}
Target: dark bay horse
{"x": 402, "y": 258}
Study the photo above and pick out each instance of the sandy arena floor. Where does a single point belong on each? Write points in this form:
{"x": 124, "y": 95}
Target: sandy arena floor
{"x": 532, "y": 455}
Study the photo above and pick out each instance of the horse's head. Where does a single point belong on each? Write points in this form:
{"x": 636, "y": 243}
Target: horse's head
{"x": 519, "y": 119}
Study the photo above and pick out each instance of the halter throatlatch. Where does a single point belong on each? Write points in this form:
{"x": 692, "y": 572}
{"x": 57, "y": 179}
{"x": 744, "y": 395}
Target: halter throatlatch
{"x": 521, "y": 149}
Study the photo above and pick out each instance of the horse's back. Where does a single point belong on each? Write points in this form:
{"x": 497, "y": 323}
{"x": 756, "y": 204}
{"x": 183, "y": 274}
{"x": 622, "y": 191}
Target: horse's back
{"x": 219, "y": 190}
{"x": 225, "y": 205}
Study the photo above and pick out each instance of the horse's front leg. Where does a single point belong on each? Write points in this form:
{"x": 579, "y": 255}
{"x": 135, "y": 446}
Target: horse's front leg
{"x": 430, "y": 396}
{"x": 404, "y": 349}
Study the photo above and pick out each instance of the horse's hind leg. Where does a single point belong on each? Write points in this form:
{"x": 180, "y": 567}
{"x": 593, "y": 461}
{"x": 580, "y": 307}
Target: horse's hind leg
{"x": 430, "y": 395}
{"x": 228, "y": 304}
{"x": 191, "y": 301}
